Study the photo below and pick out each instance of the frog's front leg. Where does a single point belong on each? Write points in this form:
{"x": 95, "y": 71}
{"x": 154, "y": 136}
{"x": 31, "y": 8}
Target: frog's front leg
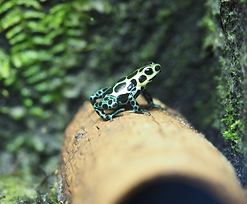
{"x": 135, "y": 105}
{"x": 149, "y": 99}
{"x": 98, "y": 94}
{"x": 107, "y": 103}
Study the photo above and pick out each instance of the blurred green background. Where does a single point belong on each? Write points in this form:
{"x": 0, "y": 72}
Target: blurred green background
{"x": 54, "y": 54}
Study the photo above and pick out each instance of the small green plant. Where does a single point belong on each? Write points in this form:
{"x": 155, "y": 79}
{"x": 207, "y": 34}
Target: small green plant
{"x": 43, "y": 44}
{"x": 225, "y": 41}
{"x": 41, "y": 47}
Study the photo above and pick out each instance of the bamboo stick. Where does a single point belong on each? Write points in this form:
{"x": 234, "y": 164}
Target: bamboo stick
{"x": 135, "y": 155}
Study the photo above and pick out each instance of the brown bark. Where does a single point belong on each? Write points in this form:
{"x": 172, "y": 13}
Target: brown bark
{"x": 107, "y": 162}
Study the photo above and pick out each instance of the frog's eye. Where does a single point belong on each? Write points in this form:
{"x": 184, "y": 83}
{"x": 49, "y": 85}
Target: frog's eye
{"x": 157, "y": 68}
{"x": 148, "y": 71}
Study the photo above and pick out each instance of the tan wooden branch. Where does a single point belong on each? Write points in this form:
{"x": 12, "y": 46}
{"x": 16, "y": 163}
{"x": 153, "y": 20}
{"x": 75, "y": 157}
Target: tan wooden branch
{"x": 112, "y": 162}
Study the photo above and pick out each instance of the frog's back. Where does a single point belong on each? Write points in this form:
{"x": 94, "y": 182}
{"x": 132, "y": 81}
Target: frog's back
{"x": 133, "y": 83}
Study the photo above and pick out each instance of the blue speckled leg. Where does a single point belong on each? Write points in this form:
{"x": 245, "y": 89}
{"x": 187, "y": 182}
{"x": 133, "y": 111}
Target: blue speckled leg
{"x": 135, "y": 105}
{"x": 98, "y": 94}
{"x": 149, "y": 99}
{"x": 108, "y": 102}
{"x": 108, "y": 116}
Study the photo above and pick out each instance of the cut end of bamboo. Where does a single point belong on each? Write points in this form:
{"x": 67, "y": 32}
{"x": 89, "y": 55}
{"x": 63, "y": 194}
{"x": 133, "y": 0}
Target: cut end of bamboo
{"x": 143, "y": 159}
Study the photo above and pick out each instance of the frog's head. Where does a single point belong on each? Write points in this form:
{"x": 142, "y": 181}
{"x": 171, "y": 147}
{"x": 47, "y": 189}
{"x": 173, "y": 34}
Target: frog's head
{"x": 147, "y": 73}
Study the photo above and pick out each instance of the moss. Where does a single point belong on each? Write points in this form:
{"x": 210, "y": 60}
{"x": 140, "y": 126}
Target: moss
{"x": 225, "y": 24}
{"x": 13, "y": 187}
{"x": 232, "y": 96}
{"x": 15, "y": 190}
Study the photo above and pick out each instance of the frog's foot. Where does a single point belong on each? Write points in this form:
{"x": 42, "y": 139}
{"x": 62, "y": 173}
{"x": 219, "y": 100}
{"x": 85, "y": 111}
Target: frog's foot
{"x": 140, "y": 111}
{"x": 152, "y": 105}
{"x": 115, "y": 114}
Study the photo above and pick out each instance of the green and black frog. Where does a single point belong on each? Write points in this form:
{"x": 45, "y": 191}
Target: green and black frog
{"x": 125, "y": 91}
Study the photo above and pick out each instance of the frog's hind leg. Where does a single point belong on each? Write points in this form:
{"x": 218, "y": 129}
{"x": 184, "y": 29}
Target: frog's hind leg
{"x": 98, "y": 94}
{"x": 107, "y": 103}
{"x": 105, "y": 116}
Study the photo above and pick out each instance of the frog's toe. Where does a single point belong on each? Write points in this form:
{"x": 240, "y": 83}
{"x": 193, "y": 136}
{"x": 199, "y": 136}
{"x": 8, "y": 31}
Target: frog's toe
{"x": 133, "y": 111}
{"x": 146, "y": 112}
{"x": 116, "y": 114}
{"x": 120, "y": 114}
{"x": 140, "y": 111}
{"x": 120, "y": 110}
{"x": 152, "y": 105}
{"x": 117, "y": 111}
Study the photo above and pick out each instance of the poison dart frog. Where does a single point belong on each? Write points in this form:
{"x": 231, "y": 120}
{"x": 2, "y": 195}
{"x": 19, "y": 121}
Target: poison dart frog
{"x": 125, "y": 91}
